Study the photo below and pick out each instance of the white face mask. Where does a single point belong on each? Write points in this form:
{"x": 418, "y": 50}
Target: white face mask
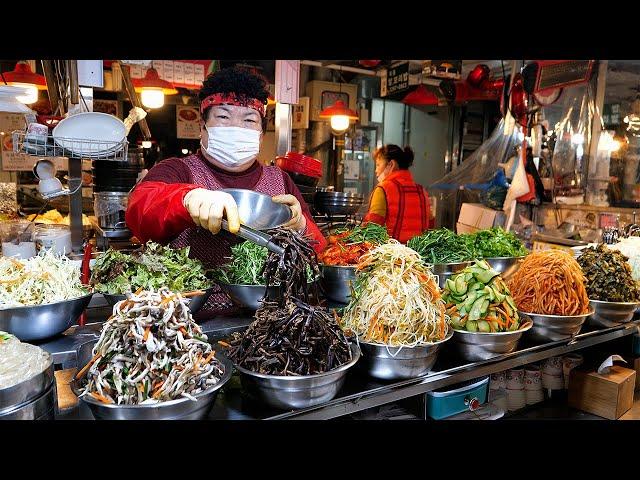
{"x": 233, "y": 146}
{"x": 385, "y": 172}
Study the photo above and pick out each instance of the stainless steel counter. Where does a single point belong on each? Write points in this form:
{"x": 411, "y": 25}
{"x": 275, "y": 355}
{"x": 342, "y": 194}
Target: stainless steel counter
{"x": 359, "y": 392}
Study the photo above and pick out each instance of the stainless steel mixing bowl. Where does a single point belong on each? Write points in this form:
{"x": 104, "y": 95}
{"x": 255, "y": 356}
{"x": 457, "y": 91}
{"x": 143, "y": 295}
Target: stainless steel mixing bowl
{"x": 180, "y": 409}
{"x": 36, "y": 322}
{"x": 295, "y": 392}
{"x": 257, "y": 210}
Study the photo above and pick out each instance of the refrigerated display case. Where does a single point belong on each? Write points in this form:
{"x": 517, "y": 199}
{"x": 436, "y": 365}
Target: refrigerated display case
{"x": 359, "y": 165}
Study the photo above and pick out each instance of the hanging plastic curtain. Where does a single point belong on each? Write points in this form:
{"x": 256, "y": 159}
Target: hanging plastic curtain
{"x": 476, "y": 175}
{"x": 573, "y": 138}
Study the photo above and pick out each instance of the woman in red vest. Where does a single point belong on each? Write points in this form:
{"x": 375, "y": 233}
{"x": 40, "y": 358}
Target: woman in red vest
{"x": 398, "y": 202}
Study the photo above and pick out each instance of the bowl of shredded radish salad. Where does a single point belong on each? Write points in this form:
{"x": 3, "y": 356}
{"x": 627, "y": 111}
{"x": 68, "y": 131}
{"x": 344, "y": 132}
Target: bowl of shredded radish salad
{"x": 43, "y": 279}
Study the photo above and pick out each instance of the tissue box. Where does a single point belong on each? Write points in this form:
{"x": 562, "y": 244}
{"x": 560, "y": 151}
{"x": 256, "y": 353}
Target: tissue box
{"x": 608, "y": 395}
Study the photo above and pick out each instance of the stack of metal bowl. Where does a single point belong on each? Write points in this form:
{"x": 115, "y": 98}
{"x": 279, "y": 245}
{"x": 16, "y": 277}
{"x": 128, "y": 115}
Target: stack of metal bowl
{"x": 611, "y": 314}
{"x": 505, "y": 266}
{"x": 180, "y": 409}
{"x": 478, "y": 346}
{"x": 37, "y": 322}
{"x": 296, "y": 392}
{"x": 337, "y": 203}
{"x": 445, "y": 271}
{"x": 31, "y": 399}
{"x": 194, "y": 303}
{"x": 398, "y": 363}
{"x": 336, "y": 282}
{"x": 553, "y": 328}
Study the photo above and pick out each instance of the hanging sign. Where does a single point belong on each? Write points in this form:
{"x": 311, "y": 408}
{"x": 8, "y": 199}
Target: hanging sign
{"x": 395, "y": 80}
{"x": 182, "y": 73}
{"x": 187, "y": 122}
{"x": 287, "y": 81}
{"x": 300, "y": 114}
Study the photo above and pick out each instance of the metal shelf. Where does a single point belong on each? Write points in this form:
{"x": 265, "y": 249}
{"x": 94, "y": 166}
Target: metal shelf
{"x": 76, "y": 148}
{"x": 409, "y": 388}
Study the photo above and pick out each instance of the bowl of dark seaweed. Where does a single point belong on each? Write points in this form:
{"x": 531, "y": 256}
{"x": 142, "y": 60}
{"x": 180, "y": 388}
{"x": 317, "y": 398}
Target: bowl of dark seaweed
{"x": 293, "y": 392}
{"x": 611, "y": 314}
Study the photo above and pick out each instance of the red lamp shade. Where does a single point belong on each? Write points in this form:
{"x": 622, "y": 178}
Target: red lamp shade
{"x": 338, "y": 108}
{"x": 152, "y": 80}
{"x": 23, "y": 74}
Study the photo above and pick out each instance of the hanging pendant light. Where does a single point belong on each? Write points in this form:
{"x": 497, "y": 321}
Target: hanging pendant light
{"x": 339, "y": 115}
{"x": 23, "y": 76}
{"x": 152, "y": 89}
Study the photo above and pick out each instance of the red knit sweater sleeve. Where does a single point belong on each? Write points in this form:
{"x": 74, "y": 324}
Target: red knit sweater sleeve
{"x": 312, "y": 229}
{"x": 156, "y": 212}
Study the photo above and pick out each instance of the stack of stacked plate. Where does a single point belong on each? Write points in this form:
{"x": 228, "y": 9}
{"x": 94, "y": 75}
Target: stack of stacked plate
{"x": 337, "y": 203}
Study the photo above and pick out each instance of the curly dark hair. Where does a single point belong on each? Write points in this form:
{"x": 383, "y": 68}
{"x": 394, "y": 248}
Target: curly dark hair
{"x": 244, "y": 84}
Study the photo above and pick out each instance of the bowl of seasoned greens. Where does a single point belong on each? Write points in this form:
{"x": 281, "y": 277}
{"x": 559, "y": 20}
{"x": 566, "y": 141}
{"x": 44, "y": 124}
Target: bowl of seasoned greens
{"x": 242, "y": 278}
{"x": 612, "y": 291}
{"x": 151, "y": 267}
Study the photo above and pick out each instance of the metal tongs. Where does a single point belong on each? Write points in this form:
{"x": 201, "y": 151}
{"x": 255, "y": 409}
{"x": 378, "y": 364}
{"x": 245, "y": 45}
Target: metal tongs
{"x": 256, "y": 236}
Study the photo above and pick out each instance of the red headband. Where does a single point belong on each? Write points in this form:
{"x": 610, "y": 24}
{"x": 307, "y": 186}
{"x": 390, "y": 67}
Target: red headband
{"x": 232, "y": 99}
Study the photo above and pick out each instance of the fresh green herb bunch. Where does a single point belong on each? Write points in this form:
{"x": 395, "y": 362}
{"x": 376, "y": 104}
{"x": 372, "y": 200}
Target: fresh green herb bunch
{"x": 246, "y": 265}
{"x": 371, "y": 232}
{"x": 443, "y": 246}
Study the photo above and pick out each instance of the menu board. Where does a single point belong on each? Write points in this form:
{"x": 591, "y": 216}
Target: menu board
{"x": 187, "y": 122}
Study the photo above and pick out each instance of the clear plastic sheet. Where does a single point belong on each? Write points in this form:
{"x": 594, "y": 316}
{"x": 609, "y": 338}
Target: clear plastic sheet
{"x": 473, "y": 177}
{"x": 573, "y": 138}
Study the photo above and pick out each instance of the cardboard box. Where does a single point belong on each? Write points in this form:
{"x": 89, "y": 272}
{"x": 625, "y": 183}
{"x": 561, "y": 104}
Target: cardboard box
{"x": 475, "y": 216}
{"x": 608, "y": 395}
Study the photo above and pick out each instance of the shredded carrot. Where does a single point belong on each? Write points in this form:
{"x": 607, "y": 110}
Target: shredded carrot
{"x": 224, "y": 344}
{"x": 100, "y": 398}
{"x": 146, "y": 333}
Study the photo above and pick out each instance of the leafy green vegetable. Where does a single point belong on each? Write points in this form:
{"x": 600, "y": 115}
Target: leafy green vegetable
{"x": 246, "y": 266}
{"x": 371, "y": 232}
{"x": 496, "y": 242}
{"x": 443, "y": 246}
{"x": 153, "y": 266}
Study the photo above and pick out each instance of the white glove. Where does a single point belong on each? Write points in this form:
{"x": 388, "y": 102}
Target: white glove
{"x": 297, "y": 222}
{"x": 207, "y": 208}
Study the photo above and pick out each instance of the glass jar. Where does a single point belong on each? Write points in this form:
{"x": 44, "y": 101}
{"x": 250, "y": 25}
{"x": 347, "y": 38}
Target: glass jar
{"x": 54, "y": 237}
{"x": 17, "y": 239}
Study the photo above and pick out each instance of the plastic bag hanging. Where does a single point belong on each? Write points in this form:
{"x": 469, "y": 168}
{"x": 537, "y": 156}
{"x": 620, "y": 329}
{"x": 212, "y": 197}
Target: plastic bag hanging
{"x": 573, "y": 138}
{"x": 468, "y": 181}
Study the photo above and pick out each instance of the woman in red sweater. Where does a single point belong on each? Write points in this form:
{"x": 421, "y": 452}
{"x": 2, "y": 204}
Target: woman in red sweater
{"x": 179, "y": 201}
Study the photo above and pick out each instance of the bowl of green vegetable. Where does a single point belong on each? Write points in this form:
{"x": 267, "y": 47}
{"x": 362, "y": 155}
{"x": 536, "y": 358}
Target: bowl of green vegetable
{"x": 505, "y": 266}
{"x": 116, "y": 273}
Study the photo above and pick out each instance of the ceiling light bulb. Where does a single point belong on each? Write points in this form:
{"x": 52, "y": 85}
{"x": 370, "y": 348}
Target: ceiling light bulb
{"x": 577, "y": 139}
{"x": 31, "y": 93}
{"x": 152, "y": 98}
{"x": 339, "y": 123}
{"x": 146, "y": 144}
{"x": 185, "y": 151}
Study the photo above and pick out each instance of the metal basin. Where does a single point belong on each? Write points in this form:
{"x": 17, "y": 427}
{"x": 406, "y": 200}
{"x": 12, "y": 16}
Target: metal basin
{"x": 40, "y": 408}
{"x": 395, "y": 363}
{"x": 552, "y": 328}
{"x": 336, "y": 281}
{"x": 250, "y": 296}
{"x": 257, "y": 210}
{"x": 445, "y": 271}
{"x": 478, "y": 346}
{"x": 295, "y": 392}
{"x": 28, "y": 390}
{"x": 194, "y": 303}
{"x": 36, "y": 322}
{"x": 505, "y": 266}
{"x": 611, "y": 314}
{"x": 180, "y": 409}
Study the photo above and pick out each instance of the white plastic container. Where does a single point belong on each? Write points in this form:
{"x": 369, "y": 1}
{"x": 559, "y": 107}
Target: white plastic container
{"x": 54, "y": 237}
{"x": 17, "y": 239}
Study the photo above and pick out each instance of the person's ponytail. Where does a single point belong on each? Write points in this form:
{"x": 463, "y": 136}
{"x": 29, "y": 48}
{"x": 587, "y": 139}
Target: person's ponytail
{"x": 408, "y": 157}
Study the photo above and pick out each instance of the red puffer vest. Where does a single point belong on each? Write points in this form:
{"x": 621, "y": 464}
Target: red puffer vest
{"x": 408, "y": 207}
